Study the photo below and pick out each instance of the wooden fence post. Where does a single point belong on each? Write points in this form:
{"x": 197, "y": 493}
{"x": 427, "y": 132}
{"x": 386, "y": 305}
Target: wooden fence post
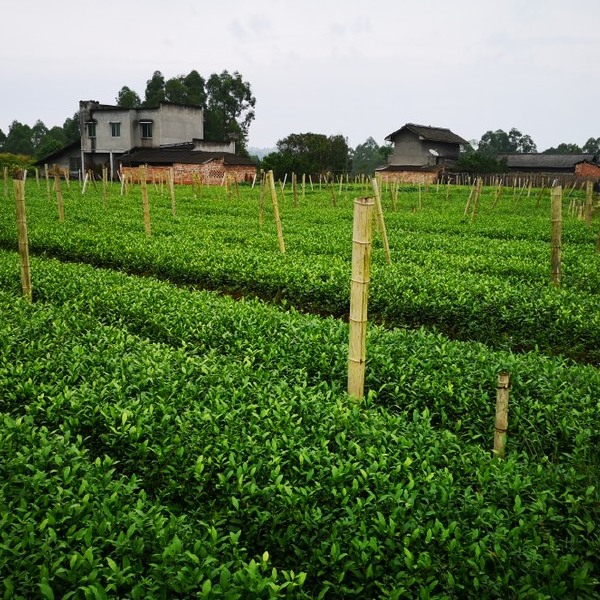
{"x": 501, "y": 423}
{"x": 361, "y": 274}
{"x": 556, "y": 234}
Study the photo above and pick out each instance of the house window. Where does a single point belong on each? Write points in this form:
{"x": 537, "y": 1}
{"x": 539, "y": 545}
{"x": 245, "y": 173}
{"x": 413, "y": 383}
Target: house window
{"x": 91, "y": 128}
{"x": 115, "y": 129}
{"x": 146, "y": 129}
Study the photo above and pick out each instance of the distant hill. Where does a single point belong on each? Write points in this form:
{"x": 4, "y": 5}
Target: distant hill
{"x": 260, "y": 152}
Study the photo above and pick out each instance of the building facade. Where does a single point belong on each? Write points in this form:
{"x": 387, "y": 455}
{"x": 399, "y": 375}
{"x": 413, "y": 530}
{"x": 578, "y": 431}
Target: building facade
{"x": 108, "y": 132}
{"x": 420, "y": 152}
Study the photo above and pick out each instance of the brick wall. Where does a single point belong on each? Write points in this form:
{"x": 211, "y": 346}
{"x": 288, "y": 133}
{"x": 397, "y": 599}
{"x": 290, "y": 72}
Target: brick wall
{"x": 408, "y": 176}
{"x": 211, "y": 173}
{"x": 587, "y": 170}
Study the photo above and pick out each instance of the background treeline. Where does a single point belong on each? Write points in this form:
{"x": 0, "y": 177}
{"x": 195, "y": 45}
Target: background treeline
{"x": 228, "y": 106}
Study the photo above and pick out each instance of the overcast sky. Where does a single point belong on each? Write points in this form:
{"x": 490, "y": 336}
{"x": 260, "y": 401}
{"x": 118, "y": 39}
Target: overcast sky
{"x": 353, "y": 67}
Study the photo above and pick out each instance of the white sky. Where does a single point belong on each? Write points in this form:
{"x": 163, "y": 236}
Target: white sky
{"x": 348, "y": 67}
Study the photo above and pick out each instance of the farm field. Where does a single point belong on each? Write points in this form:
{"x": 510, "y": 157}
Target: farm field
{"x": 161, "y": 438}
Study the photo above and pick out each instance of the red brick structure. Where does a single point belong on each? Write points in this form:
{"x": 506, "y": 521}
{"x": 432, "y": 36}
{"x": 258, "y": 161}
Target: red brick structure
{"x": 587, "y": 170}
{"x": 413, "y": 175}
{"x": 189, "y": 165}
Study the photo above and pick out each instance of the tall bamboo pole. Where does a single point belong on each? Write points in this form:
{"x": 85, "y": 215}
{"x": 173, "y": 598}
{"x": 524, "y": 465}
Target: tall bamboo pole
{"x": 589, "y": 192}
{"x": 104, "y": 186}
{"x": 501, "y": 422}
{"x": 303, "y": 186}
{"x": 59, "y": 196}
{"x": 361, "y": 275}
{"x": 171, "y": 179}
{"x": 380, "y": 220}
{"x": 295, "y": 188}
{"x": 19, "y": 186}
{"x": 556, "y": 234}
{"x": 261, "y": 200}
{"x": 276, "y": 212}
{"x": 476, "y": 200}
{"x": 145, "y": 203}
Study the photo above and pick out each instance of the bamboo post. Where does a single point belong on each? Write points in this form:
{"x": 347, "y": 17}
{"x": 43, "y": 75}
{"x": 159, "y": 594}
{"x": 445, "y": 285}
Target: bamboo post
{"x": 556, "y": 216}
{"x": 261, "y": 201}
{"x": 19, "y": 186}
{"x": 381, "y": 221}
{"x": 59, "y": 196}
{"x": 312, "y": 189}
{"x": 361, "y": 274}
{"x": 501, "y": 422}
{"x": 276, "y": 212}
{"x": 104, "y": 186}
{"x": 476, "y": 200}
{"x": 589, "y": 189}
{"x": 237, "y": 188}
{"x": 295, "y": 189}
{"x": 332, "y": 191}
{"x": 47, "y": 174}
{"x": 85, "y": 180}
{"x": 171, "y": 179}
{"x": 145, "y": 202}
{"x": 303, "y": 186}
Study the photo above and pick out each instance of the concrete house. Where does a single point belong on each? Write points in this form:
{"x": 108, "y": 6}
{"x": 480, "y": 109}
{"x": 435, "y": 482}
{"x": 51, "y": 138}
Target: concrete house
{"x": 108, "y": 132}
{"x": 420, "y": 152}
{"x": 170, "y": 135}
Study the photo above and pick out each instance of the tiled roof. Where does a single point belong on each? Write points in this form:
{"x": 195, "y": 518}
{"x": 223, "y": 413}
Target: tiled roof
{"x": 432, "y": 134}
{"x": 546, "y": 161}
{"x": 180, "y": 154}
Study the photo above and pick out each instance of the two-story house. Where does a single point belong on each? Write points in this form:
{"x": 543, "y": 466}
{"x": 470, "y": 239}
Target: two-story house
{"x": 420, "y": 152}
{"x": 169, "y": 136}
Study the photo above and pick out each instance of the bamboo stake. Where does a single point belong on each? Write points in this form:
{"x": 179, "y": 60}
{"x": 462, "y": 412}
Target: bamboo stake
{"x": 588, "y": 202}
{"x": 19, "y": 186}
{"x": 145, "y": 202}
{"x": 476, "y": 200}
{"x": 303, "y": 187}
{"x": 381, "y": 221}
{"x": 361, "y": 274}
{"x": 59, "y": 196}
{"x": 556, "y": 216}
{"x": 501, "y": 422}
{"x": 104, "y": 186}
{"x": 171, "y": 180}
{"x": 312, "y": 189}
{"x": 261, "y": 201}
{"x": 276, "y": 212}
{"x": 295, "y": 189}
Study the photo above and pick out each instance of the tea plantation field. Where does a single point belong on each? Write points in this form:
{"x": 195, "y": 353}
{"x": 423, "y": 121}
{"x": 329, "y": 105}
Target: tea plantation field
{"x": 166, "y": 433}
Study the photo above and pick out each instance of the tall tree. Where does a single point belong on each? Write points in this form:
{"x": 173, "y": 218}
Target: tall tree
{"x": 2, "y": 139}
{"x": 71, "y": 128}
{"x": 19, "y": 139}
{"x": 368, "y": 156}
{"x": 592, "y": 146}
{"x": 311, "y": 153}
{"x": 196, "y": 88}
{"x": 564, "y": 148}
{"x": 127, "y": 98}
{"x": 229, "y": 108}
{"x": 493, "y": 143}
{"x": 155, "y": 90}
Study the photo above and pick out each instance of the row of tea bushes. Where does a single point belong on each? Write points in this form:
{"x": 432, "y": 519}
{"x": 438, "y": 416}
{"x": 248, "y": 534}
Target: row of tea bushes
{"x": 151, "y": 469}
{"x": 468, "y": 283}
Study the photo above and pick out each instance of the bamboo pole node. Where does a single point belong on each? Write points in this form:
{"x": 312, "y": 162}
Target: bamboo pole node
{"x": 501, "y": 420}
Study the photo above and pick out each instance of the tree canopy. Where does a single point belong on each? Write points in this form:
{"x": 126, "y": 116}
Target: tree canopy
{"x": 311, "y": 153}
{"x": 368, "y": 156}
